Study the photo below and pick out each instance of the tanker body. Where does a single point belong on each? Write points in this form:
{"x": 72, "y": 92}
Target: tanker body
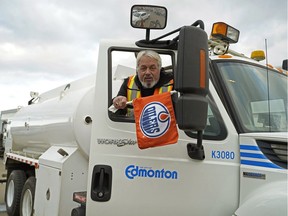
{"x": 50, "y": 141}
{"x": 61, "y": 116}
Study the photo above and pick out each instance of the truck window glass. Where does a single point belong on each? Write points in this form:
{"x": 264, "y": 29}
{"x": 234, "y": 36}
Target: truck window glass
{"x": 257, "y": 95}
{"x": 215, "y": 128}
{"x": 122, "y": 64}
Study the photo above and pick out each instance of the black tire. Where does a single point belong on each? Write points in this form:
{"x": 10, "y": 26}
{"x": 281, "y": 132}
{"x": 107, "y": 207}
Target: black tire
{"x": 27, "y": 197}
{"x": 14, "y": 186}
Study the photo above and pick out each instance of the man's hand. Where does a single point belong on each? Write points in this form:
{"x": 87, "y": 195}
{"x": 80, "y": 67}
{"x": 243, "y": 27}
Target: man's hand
{"x": 119, "y": 102}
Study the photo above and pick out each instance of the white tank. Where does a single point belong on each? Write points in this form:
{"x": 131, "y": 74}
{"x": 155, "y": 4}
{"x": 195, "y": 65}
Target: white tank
{"x": 61, "y": 117}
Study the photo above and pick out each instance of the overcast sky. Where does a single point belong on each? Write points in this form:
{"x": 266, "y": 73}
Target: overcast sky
{"x": 47, "y": 43}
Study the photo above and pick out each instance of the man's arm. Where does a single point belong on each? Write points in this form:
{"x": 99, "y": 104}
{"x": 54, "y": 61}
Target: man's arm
{"x": 120, "y": 100}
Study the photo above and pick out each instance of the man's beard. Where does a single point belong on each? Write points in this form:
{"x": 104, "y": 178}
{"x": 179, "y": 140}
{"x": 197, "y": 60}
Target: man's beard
{"x": 148, "y": 85}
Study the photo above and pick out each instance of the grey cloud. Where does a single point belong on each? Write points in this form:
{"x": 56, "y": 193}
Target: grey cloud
{"x": 58, "y": 40}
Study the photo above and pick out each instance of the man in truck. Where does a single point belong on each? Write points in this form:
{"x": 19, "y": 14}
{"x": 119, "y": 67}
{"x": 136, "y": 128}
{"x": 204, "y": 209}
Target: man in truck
{"x": 150, "y": 79}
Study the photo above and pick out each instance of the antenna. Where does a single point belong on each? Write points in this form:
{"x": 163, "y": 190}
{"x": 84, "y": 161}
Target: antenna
{"x": 268, "y": 90}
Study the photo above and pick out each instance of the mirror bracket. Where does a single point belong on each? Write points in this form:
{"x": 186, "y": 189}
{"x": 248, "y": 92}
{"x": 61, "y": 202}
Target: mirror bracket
{"x": 196, "y": 151}
{"x": 167, "y": 44}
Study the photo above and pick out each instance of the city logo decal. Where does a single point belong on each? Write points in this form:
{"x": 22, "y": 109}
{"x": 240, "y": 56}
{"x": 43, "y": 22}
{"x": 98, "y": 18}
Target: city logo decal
{"x": 133, "y": 171}
{"x": 154, "y": 120}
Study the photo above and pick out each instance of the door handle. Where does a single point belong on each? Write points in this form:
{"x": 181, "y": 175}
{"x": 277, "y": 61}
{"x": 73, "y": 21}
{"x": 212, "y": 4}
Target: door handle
{"x": 101, "y": 183}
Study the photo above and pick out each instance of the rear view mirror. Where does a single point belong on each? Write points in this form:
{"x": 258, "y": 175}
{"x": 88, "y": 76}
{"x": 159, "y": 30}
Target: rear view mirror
{"x": 148, "y": 17}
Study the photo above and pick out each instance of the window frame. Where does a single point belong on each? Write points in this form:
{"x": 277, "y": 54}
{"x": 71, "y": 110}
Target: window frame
{"x": 118, "y": 118}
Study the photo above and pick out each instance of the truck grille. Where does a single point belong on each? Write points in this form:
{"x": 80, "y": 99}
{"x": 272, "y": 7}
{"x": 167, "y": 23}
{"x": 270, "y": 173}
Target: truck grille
{"x": 274, "y": 151}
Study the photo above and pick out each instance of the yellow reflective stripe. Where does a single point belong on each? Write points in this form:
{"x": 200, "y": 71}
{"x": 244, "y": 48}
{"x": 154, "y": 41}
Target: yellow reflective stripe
{"x": 131, "y": 81}
{"x": 166, "y": 88}
{"x": 130, "y": 85}
{"x": 138, "y": 95}
{"x": 135, "y": 92}
{"x": 129, "y": 95}
{"x": 170, "y": 86}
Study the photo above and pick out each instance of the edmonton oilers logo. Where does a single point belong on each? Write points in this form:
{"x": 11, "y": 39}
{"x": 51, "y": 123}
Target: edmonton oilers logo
{"x": 154, "y": 120}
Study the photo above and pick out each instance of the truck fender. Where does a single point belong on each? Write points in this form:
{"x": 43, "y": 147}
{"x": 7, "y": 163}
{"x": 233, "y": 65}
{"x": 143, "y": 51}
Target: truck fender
{"x": 270, "y": 199}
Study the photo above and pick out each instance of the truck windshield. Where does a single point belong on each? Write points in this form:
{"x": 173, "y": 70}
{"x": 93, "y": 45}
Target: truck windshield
{"x": 257, "y": 95}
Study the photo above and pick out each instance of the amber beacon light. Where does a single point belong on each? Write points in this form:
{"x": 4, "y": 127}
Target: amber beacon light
{"x": 225, "y": 32}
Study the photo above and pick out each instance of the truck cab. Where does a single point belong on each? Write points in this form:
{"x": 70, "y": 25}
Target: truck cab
{"x": 245, "y": 142}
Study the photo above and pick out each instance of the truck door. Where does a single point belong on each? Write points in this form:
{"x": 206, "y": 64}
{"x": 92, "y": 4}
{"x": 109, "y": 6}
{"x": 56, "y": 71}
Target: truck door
{"x": 125, "y": 180}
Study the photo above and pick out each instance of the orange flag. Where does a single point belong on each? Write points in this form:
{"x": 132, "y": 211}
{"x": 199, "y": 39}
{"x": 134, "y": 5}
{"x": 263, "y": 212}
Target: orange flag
{"x": 155, "y": 121}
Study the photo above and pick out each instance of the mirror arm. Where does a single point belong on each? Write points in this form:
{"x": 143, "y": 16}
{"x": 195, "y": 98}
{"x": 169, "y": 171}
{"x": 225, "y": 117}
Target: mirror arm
{"x": 147, "y": 34}
{"x": 165, "y": 35}
{"x": 200, "y": 23}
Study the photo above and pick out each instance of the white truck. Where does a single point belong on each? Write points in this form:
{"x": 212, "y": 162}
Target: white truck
{"x": 70, "y": 155}
{"x": 5, "y": 116}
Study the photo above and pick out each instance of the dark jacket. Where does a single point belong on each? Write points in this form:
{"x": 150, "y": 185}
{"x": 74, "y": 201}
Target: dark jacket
{"x": 164, "y": 79}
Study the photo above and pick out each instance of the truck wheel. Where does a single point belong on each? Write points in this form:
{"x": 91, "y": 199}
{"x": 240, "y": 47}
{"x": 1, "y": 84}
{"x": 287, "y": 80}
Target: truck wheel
{"x": 27, "y": 197}
{"x": 13, "y": 191}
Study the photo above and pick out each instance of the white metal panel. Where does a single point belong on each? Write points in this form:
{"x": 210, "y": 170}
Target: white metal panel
{"x": 47, "y": 193}
{"x": 61, "y": 176}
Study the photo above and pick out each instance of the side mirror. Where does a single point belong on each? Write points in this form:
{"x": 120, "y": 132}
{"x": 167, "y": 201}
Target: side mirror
{"x": 191, "y": 80}
{"x": 148, "y": 17}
